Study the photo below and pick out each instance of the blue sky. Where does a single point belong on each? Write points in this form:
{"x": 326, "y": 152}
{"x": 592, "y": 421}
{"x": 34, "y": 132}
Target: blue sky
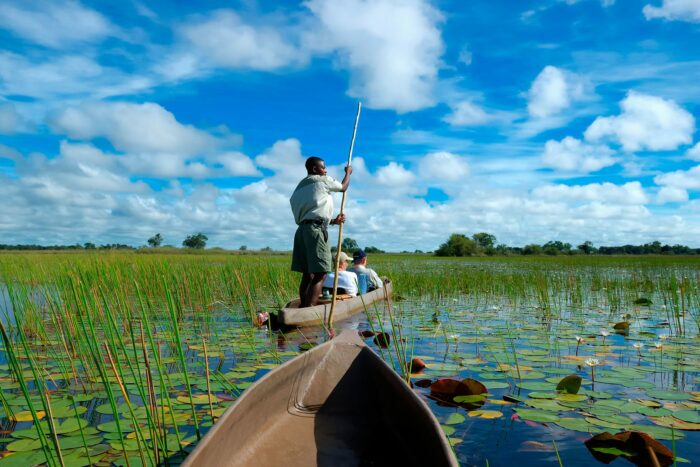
{"x": 534, "y": 121}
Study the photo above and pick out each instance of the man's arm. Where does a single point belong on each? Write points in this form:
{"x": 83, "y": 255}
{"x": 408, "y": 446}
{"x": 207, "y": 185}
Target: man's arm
{"x": 346, "y": 179}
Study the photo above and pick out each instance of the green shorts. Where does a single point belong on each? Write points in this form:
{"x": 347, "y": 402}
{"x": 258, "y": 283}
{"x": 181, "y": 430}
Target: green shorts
{"x": 312, "y": 252}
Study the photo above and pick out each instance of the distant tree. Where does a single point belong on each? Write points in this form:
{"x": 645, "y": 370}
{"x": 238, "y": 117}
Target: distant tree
{"x": 349, "y": 245}
{"x": 457, "y": 245}
{"x": 418, "y": 252}
{"x": 556, "y": 247}
{"x": 532, "y": 249}
{"x": 586, "y": 247}
{"x": 197, "y": 241}
{"x": 267, "y": 248}
{"x": 243, "y": 248}
{"x": 485, "y": 242}
{"x": 89, "y": 246}
{"x": 155, "y": 240}
{"x": 373, "y": 249}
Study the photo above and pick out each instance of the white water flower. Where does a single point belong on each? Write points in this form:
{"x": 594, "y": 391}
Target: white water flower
{"x": 658, "y": 345}
{"x": 579, "y": 339}
{"x": 638, "y": 345}
{"x": 663, "y": 337}
{"x": 604, "y": 333}
{"x": 593, "y": 362}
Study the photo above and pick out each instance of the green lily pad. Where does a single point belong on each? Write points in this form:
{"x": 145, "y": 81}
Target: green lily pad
{"x": 668, "y": 395}
{"x": 686, "y": 415}
{"x": 537, "y": 415}
{"x": 455, "y": 419}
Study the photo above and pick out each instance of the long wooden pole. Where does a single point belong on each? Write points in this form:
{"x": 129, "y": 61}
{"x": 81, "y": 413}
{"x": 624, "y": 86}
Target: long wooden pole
{"x": 340, "y": 227}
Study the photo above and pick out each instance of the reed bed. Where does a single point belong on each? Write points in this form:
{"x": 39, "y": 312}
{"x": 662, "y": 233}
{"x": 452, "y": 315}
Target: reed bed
{"x": 128, "y": 358}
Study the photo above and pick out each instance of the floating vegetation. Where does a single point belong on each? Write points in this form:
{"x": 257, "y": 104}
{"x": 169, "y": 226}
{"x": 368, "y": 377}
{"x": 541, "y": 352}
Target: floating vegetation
{"x": 128, "y": 359}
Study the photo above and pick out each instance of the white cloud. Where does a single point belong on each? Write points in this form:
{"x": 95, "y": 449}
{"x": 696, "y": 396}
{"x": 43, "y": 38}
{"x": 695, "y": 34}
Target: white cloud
{"x": 646, "y": 123}
{"x": 466, "y": 113}
{"x": 9, "y": 118}
{"x": 694, "y": 152}
{"x": 553, "y": 91}
{"x": 443, "y": 166}
{"x": 395, "y": 175}
{"x": 144, "y": 128}
{"x": 681, "y": 10}
{"x": 465, "y": 56}
{"x": 54, "y": 23}
{"x": 671, "y": 194}
{"x": 686, "y": 179}
{"x": 227, "y": 40}
{"x": 392, "y": 48}
{"x": 573, "y": 155}
{"x": 629, "y": 193}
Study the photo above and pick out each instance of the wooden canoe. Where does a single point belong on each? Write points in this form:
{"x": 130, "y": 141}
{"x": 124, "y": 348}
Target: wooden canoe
{"x": 292, "y": 315}
{"x": 338, "y": 404}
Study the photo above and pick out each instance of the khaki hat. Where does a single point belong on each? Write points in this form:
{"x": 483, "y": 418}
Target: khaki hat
{"x": 343, "y": 257}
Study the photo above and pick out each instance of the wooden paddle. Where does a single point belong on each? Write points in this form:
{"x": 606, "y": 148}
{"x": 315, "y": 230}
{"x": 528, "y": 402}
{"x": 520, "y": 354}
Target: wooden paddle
{"x": 340, "y": 227}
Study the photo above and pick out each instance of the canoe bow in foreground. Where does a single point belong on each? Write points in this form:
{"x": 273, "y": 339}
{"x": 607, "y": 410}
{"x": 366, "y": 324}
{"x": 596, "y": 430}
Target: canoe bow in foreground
{"x": 292, "y": 315}
{"x": 337, "y": 404}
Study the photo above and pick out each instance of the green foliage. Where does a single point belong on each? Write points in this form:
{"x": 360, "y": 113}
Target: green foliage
{"x": 155, "y": 241}
{"x": 373, "y": 249}
{"x": 349, "y": 245}
{"x": 457, "y": 245}
{"x": 242, "y": 248}
{"x": 197, "y": 241}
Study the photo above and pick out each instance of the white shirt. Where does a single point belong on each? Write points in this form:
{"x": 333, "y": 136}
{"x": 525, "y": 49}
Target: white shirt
{"x": 346, "y": 280}
{"x": 372, "y": 277}
{"x": 312, "y": 198}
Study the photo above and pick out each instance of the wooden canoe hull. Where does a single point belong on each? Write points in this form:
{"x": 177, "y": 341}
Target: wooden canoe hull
{"x": 292, "y": 315}
{"x": 337, "y": 404}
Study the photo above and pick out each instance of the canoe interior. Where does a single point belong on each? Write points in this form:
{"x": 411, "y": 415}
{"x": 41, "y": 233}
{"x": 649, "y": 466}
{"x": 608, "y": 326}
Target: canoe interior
{"x": 335, "y": 406}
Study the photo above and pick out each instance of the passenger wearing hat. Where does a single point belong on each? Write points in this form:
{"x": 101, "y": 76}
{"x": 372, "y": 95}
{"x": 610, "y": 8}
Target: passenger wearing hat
{"x": 359, "y": 266}
{"x": 347, "y": 281}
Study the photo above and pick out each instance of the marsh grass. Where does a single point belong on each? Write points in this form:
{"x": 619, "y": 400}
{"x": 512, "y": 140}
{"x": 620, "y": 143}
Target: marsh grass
{"x": 152, "y": 339}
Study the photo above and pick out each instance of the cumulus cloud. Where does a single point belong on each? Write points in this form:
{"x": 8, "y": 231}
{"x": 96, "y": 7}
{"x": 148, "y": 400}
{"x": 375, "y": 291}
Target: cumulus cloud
{"x": 54, "y": 23}
{"x": 628, "y": 193}
{"x": 573, "y": 155}
{"x": 686, "y": 179}
{"x": 395, "y": 175}
{"x": 681, "y": 10}
{"x": 466, "y": 113}
{"x": 646, "y": 123}
{"x": 9, "y": 118}
{"x": 553, "y": 91}
{"x": 443, "y": 166}
{"x": 146, "y": 128}
{"x": 228, "y": 41}
{"x": 392, "y": 48}
{"x": 671, "y": 194}
{"x": 694, "y": 152}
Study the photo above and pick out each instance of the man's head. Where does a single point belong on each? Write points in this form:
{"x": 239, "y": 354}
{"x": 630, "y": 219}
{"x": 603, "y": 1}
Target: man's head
{"x": 359, "y": 258}
{"x": 315, "y": 166}
{"x": 343, "y": 261}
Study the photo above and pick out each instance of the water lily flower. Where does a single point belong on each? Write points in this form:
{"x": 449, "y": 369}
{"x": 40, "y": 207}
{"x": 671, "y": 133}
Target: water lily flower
{"x": 663, "y": 337}
{"x": 658, "y": 345}
{"x": 579, "y": 340}
{"x": 605, "y": 334}
{"x": 638, "y": 346}
{"x": 593, "y": 362}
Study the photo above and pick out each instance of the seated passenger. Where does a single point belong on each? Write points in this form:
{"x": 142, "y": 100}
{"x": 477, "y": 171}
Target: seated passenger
{"x": 359, "y": 266}
{"x": 347, "y": 281}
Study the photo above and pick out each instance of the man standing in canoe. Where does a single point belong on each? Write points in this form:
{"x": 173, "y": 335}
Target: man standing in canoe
{"x": 312, "y": 206}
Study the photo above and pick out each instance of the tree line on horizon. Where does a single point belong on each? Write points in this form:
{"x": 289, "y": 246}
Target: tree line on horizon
{"x": 479, "y": 244}
{"x": 483, "y": 243}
